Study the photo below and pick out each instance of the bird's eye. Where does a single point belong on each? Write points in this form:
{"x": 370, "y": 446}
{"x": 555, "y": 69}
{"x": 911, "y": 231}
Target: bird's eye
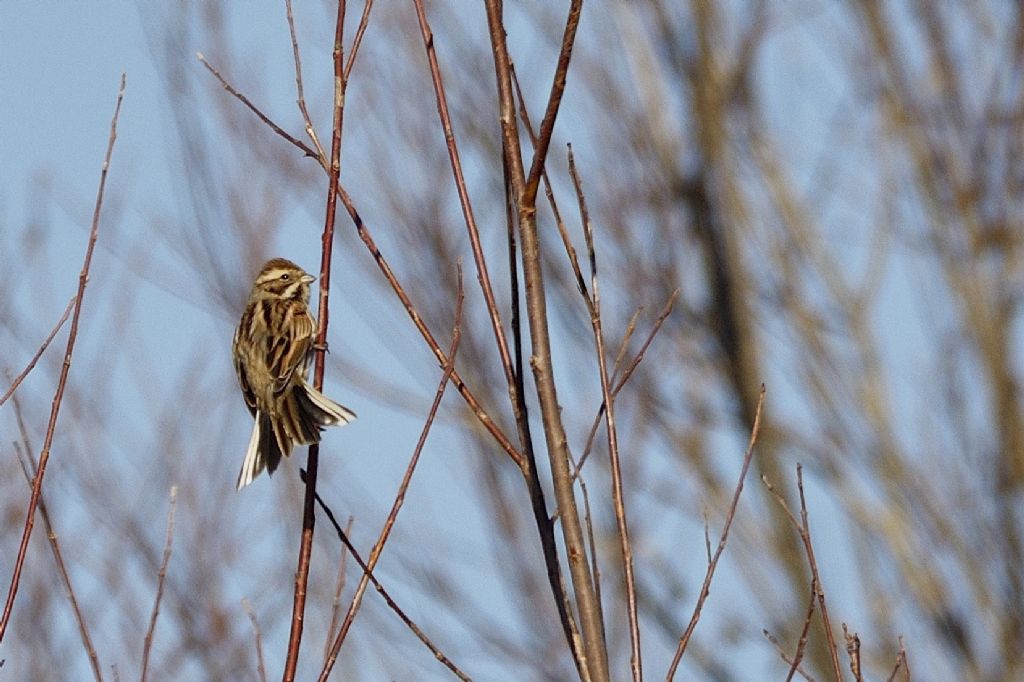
{"x": 285, "y": 277}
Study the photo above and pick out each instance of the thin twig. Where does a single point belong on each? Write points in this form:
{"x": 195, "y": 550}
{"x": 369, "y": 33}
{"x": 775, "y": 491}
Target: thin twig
{"x": 804, "y": 529}
{"x": 547, "y": 124}
{"x": 853, "y": 651}
{"x": 618, "y": 497}
{"x": 323, "y": 313}
{"x": 483, "y": 276}
{"x": 364, "y": 21}
{"x": 402, "y": 488}
{"x": 801, "y": 645}
{"x": 705, "y": 589}
{"x": 28, "y": 467}
{"x": 35, "y": 358}
{"x": 336, "y": 602}
{"x": 161, "y": 576}
{"x": 785, "y": 657}
{"x": 630, "y": 369}
{"x": 261, "y": 667}
{"x": 252, "y": 107}
{"x": 438, "y": 654}
{"x": 901, "y": 664}
{"x": 44, "y": 456}
{"x": 300, "y": 97}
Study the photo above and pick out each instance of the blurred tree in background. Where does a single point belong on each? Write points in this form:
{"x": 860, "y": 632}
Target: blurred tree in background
{"x": 836, "y": 190}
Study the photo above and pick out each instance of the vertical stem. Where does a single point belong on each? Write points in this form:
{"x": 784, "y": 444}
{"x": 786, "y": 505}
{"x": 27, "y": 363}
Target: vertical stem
{"x": 308, "y": 508}
{"x": 595, "y": 651}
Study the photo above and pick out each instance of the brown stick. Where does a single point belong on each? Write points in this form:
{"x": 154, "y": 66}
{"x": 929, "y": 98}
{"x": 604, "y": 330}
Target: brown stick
{"x": 795, "y": 664}
{"x": 483, "y": 277}
{"x": 402, "y": 488}
{"x": 254, "y": 109}
{"x": 618, "y": 499}
{"x": 323, "y": 314}
{"x": 161, "y": 576}
{"x": 35, "y": 358}
{"x": 705, "y": 589}
{"x": 513, "y": 377}
{"x": 901, "y": 664}
{"x": 44, "y": 456}
{"x": 595, "y": 650}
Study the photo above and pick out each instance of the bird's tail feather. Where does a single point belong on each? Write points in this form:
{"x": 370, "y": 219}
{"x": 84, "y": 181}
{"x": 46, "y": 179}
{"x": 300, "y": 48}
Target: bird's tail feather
{"x": 302, "y": 416}
{"x": 263, "y": 452}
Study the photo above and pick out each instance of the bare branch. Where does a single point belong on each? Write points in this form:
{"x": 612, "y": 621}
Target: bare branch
{"x": 618, "y": 498}
{"x": 705, "y": 589}
{"x": 323, "y": 315}
{"x": 29, "y": 468}
{"x": 161, "y": 576}
{"x": 254, "y": 109}
{"x": 44, "y": 456}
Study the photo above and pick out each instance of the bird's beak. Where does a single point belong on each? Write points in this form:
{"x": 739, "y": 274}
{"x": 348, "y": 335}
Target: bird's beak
{"x": 306, "y": 279}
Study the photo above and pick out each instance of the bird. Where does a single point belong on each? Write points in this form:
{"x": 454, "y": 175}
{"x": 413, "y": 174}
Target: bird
{"x": 272, "y": 347}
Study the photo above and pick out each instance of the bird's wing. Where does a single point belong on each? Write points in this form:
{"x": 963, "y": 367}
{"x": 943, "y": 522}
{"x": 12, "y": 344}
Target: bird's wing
{"x": 288, "y": 351}
{"x": 243, "y": 379}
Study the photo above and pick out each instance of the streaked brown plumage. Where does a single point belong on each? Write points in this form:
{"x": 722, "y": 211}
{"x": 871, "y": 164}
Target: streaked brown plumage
{"x": 271, "y": 352}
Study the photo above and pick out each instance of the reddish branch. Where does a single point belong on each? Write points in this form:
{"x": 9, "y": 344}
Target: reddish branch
{"x": 44, "y": 456}
{"x": 29, "y": 467}
{"x": 308, "y": 509}
{"x": 705, "y": 589}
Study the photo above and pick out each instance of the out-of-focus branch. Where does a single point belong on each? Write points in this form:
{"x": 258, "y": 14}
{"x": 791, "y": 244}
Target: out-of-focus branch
{"x": 161, "y": 576}
{"x": 336, "y": 602}
{"x": 42, "y": 349}
{"x": 261, "y": 667}
{"x": 44, "y": 456}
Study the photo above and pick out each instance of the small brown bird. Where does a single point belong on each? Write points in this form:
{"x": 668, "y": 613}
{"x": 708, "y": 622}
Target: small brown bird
{"x": 271, "y": 348}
